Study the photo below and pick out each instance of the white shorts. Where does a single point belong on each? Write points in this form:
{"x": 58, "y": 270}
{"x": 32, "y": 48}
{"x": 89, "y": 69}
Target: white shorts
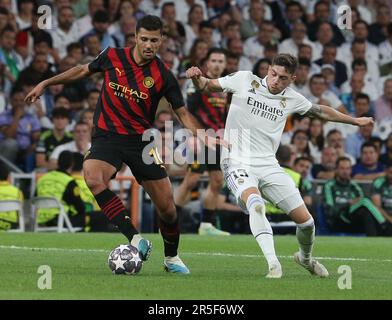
{"x": 273, "y": 182}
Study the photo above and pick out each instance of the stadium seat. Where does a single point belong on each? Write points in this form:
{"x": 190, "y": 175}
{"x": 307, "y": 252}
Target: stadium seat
{"x": 49, "y": 203}
{"x": 14, "y": 205}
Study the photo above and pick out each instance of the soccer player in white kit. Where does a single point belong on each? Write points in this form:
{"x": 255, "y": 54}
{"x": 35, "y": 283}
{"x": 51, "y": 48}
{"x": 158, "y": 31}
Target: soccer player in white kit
{"x": 257, "y": 116}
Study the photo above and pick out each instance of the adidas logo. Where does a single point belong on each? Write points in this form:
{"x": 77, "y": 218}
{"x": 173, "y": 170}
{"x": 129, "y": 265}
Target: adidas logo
{"x": 252, "y": 90}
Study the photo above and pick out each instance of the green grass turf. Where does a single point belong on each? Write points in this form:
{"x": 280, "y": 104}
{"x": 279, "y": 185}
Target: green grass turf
{"x": 221, "y": 268}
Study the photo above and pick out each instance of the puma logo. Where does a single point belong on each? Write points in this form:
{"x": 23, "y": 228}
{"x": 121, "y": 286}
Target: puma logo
{"x": 119, "y": 71}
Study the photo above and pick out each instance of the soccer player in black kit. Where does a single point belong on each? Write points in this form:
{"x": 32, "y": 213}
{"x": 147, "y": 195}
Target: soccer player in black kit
{"x": 134, "y": 82}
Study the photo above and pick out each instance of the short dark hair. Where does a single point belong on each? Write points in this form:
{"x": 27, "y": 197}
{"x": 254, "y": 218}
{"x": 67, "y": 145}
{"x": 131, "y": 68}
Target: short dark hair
{"x": 333, "y": 131}
{"x": 65, "y": 160}
{"x": 4, "y": 171}
{"x": 215, "y": 50}
{"x": 341, "y": 159}
{"x": 150, "y": 23}
{"x": 77, "y": 161}
{"x": 316, "y": 76}
{"x": 205, "y": 24}
{"x": 303, "y": 158}
{"x": 101, "y": 16}
{"x": 258, "y": 63}
{"x": 74, "y": 45}
{"x": 288, "y": 61}
{"x": 368, "y": 144}
{"x": 358, "y": 62}
{"x": 304, "y": 62}
{"x": 93, "y": 91}
{"x": 60, "y": 112}
{"x": 362, "y": 96}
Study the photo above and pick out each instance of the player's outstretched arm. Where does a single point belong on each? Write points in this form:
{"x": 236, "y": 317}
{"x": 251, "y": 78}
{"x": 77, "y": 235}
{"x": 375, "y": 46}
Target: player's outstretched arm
{"x": 71, "y": 75}
{"x": 202, "y": 83}
{"x": 330, "y": 114}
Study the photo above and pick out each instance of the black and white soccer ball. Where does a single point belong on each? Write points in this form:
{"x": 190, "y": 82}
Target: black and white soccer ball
{"x": 125, "y": 259}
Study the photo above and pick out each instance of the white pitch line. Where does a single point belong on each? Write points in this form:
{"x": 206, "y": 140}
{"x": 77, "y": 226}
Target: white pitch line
{"x": 221, "y": 254}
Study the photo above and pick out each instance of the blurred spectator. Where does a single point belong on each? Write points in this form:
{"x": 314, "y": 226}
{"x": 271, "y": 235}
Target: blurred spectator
{"x": 364, "y": 12}
{"x": 233, "y": 62}
{"x": 66, "y": 32}
{"x": 297, "y": 37}
{"x": 368, "y": 168}
{"x": 346, "y": 208}
{"x": 173, "y": 28}
{"x": 92, "y": 99}
{"x": 359, "y": 50}
{"x": 87, "y": 116}
{"x": 4, "y": 14}
{"x": 38, "y": 70}
{"x": 81, "y": 143}
{"x": 260, "y": 68}
{"x": 249, "y": 27}
{"x": 382, "y": 198}
{"x": 326, "y": 169}
{"x": 254, "y": 46}
{"x": 230, "y": 32}
{"x": 52, "y": 138}
{"x": 286, "y": 14}
{"x": 11, "y": 60}
{"x": 329, "y": 57}
{"x": 75, "y": 50}
{"x": 236, "y": 46}
{"x": 321, "y": 95}
{"x": 387, "y": 156}
{"x": 316, "y": 139}
{"x": 8, "y": 219}
{"x": 297, "y": 122}
{"x": 335, "y": 140}
{"x": 359, "y": 67}
{"x": 321, "y": 14}
{"x": 385, "y": 49}
{"x": 195, "y": 17}
{"x": 305, "y": 51}
{"x": 206, "y": 34}
{"x": 60, "y": 184}
{"x": 384, "y": 103}
{"x": 300, "y": 141}
{"x": 84, "y": 23}
{"x": 19, "y": 132}
{"x": 328, "y": 72}
{"x": 220, "y": 24}
{"x": 301, "y": 81}
{"x": 25, "y": 13}
{"x": 324, "y": 36}
{"x": 355, "y": 140}
{"x": 302, "y": 165}
{"x": 100, "y": 28}
{"x": 378, "y": 31}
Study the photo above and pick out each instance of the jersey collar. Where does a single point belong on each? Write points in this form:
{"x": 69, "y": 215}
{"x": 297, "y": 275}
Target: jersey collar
{"x": 264, "y": 84}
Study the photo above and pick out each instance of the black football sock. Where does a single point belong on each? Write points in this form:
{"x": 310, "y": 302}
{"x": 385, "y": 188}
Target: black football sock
{"x": 114, "y": 210}
{"x": 208, "y": 216}
{"x": 171, "y": 236}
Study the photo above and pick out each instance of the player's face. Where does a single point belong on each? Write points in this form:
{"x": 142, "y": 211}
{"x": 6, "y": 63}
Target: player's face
{"x": 216, "y": 64}
{"x": 148, "y": 43}
{"x": 278, "y": 79}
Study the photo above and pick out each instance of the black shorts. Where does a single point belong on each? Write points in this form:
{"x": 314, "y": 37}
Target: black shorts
{"x": 211, "y": 163}
{"x": 141, "y": 156}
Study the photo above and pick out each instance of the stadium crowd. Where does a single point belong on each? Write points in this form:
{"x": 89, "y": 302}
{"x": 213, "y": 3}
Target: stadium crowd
{"x": 349, "y": 69}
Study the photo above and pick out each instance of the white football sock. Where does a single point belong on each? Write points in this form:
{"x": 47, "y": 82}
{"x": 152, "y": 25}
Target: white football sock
{"x": 305, "y": 235}
{"x": 261, "y": 228}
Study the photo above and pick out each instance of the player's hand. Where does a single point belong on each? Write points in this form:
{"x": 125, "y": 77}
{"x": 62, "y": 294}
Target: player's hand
{"x": 34, "y": 94}
{"x": 193, "y": 72}
{"x": 364, "y": 121}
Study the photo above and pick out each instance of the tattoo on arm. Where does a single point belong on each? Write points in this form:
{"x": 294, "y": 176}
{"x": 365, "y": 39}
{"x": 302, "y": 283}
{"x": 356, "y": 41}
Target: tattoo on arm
{"x": 315, "y": 111}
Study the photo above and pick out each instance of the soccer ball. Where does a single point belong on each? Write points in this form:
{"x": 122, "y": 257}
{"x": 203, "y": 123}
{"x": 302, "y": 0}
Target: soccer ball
{"x": 125, "y": 259}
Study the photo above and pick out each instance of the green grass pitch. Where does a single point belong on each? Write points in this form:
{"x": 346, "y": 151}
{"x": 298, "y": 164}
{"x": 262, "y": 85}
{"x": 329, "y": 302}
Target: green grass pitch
{"x": 221, "y": 268}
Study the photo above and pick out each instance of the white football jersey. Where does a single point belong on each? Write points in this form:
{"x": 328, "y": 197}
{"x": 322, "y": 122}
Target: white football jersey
{"x": 256, "y": 117}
